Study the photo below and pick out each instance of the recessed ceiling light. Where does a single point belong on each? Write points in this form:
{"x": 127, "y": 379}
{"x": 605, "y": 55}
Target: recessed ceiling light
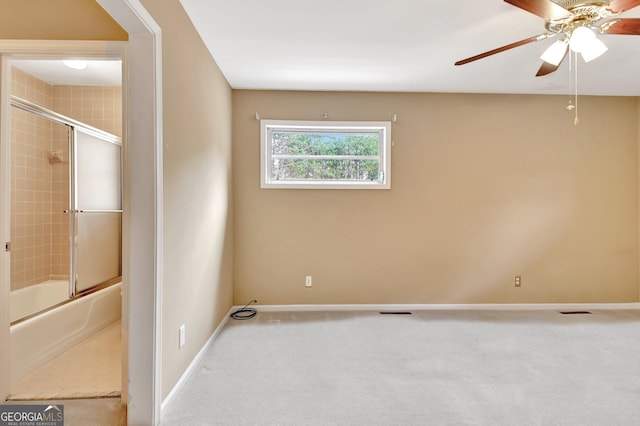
{"x": 76, "y": 65}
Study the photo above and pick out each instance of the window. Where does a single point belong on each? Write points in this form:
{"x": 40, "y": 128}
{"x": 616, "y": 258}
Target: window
{"x": 325, "y": 154}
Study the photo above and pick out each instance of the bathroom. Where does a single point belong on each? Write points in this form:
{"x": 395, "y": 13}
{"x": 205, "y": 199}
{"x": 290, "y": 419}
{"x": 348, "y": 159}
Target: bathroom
{"x": 65, "y": 219}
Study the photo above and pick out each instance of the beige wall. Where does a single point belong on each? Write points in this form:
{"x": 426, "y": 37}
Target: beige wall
{"x": 484, "y": 187}
{"x": 57, "y": 20}
{"x": 197, "y": 288}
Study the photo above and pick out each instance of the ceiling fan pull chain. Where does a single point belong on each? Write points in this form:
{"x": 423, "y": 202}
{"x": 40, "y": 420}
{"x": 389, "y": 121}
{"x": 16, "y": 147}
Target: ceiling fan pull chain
{"x": 570, "y": 105}
{"x": 576, "y": 120}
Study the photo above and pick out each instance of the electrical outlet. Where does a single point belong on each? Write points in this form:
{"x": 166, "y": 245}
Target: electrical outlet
{"x": 181, "y": 334}
{"x": 308, "y": 282}
{"x": 517, "y": 281}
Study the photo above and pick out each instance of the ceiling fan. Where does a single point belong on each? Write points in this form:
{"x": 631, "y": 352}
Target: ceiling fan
{"x": 575, "y": 22}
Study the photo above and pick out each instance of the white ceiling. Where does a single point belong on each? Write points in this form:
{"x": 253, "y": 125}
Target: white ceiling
{"x": 399, "y": 45}
{"x": 97, "y": 73}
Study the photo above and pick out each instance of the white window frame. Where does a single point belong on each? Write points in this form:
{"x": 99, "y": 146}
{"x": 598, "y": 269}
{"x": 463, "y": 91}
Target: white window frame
{"x": 266, "y": 160}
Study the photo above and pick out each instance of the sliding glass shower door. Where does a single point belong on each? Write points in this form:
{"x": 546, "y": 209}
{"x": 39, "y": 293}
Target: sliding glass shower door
{"x": 97, "y": 209}
{"x": 66, "y": 206}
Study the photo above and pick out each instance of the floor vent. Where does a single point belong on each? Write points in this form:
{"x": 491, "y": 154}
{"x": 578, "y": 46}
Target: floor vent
{"x": 396, "y": 313}
{"x": 575, "y": 313}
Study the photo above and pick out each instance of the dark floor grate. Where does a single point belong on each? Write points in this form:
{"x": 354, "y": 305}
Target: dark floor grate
{"x": 575, "y": 312}
{"x": 396, "y": 313}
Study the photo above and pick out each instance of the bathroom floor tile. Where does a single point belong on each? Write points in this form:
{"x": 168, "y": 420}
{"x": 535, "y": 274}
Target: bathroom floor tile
{"x": 90, "y": 369}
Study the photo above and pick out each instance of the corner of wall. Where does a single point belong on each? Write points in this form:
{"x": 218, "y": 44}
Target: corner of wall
{"x": 638, "y": 168}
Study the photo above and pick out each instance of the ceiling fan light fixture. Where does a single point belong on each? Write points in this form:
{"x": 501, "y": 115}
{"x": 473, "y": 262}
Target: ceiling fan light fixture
{"x": 594, "y": 50}
{"x": 581, "y": 38}
{"x": 554, "y": 53}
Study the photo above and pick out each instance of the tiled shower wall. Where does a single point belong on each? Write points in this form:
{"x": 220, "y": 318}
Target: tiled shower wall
{"x": 97, "y": 106}
{"x": 40, "y": 185}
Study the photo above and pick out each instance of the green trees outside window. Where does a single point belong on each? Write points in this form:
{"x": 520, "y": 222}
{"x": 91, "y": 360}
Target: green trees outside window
{"x": 325, "y": 154}
{"x": 305, "y": 155}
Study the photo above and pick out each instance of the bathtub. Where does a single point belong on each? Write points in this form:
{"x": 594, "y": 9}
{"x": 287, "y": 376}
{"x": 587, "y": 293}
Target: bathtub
{"x": 39, "y": 339}
{"x": 29, "y": 300}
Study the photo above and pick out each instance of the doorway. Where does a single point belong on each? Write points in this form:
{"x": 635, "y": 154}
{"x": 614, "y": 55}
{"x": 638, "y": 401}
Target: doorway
{"x": 66, "y": 208}
{"x": 142, "y": 226}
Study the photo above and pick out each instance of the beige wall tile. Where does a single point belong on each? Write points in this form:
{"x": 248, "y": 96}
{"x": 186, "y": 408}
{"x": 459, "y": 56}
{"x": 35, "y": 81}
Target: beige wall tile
{"x": 97, "y": 106}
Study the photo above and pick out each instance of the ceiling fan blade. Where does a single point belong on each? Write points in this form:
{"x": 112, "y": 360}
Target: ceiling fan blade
{"x": 628, "y": 26}
{"x": 503, "y": 48}
{"x": 622, "y": 5}
{"x": 547, "y": 68}
{"x": 543, "y": 8}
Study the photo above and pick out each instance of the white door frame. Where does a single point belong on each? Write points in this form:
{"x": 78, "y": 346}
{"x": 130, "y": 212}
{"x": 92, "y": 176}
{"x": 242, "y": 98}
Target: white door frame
{"x": 142, "y": 201}
{"x": 143, "y": 170}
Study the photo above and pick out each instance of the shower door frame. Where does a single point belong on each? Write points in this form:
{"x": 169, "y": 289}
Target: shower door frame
{"x": 76, "y": 211}
{"x": 73, "y": 127}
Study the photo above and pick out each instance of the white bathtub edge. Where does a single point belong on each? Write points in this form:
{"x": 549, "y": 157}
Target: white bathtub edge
{"x": 28, "y": 347}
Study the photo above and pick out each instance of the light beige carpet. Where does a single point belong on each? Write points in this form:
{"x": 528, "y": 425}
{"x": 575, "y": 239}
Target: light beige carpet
{"x": 429, "y": 368}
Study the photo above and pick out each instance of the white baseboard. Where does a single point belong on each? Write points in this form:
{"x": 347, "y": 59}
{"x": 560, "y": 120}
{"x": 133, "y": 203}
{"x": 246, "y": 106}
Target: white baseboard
{"x": 436, "y": 306}
{"x": 196, "y": 360}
